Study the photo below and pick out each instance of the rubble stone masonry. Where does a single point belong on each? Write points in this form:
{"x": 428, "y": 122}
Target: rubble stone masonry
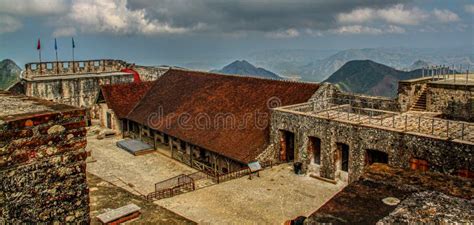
{"x": 42, "y": 162}
{"x": 454, "y": 100}
{"x": 442, "y": 155}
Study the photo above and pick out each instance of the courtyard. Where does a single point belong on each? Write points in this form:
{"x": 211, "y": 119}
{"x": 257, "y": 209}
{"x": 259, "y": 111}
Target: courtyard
{"x": 274, "y": 197}
{"x": 136, "y": 174}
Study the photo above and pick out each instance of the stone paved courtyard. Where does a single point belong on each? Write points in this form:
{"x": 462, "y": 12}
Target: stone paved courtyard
{"x": 137, "y": 174}
{"x": 278, "y": 195}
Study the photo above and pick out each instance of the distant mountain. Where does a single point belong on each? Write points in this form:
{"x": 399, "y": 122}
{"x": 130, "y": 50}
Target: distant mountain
{"x": 369, "y": 77}
{"x": 9, "y": 73}
{"x": 418, "y": 65}
{"x": 399, "y": 58}
{"x": 242, "y": 67}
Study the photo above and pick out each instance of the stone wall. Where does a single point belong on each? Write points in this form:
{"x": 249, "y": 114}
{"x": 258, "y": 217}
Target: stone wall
{"x": 334, "y": 95}
{"x": 43, "y": 167}
{"x": 455, "y": 101}
{"x": 442, "y": 155}
{"x": 115, "y": 122}
{"x": 150, "y": 73}
{"x": 80, "y": 91}
{"x": 409, "y": 90}
{"x": 43, "y": 69}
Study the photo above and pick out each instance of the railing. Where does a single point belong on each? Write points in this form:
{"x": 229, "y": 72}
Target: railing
{"x": 72, "y": 67}
{"x": 452, "y": 74}
{"x": 404, "y": 122}
{"x": 233, "y": 175}
{"x": 171, "y": 187}
{"x": 170, "y": 192}
{"x": 185, "y": 183}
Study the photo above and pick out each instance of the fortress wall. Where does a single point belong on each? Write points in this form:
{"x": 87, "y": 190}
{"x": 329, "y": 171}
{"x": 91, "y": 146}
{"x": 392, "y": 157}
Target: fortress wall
{"x": 148, "y": 73}
{"x": 442, "y": 155}
{"x": 79, "y": 92}
{"x": 43, "y": 167}
{"x": 455, "y": 101}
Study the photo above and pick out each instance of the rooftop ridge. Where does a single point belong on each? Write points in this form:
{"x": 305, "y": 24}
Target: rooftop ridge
{"x": 126, "y": 84}
{"x": 246, "y": 76}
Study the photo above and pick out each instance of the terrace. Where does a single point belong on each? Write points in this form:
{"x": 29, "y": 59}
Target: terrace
{"x": 419, "y": 123}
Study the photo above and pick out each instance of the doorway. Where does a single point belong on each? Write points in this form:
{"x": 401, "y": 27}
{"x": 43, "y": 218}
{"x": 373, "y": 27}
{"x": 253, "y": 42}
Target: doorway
{"x": 342, "y": 157}
{"x": 287, "y": 144}
{"x": 314, "y": 147}
{"x": 109, "y": 120}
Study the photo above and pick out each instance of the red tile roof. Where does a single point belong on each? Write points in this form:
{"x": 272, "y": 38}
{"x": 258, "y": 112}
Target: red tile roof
{"x": 121, "y": 98}
{"x": 180, "y": 103}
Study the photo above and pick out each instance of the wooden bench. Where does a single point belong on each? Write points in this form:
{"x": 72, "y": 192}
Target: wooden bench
{"x": 120, "y": 215}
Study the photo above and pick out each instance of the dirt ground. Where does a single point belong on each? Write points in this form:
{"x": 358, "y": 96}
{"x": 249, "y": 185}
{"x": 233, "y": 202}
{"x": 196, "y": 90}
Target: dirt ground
{"x": 136, "y": 174}
{"x": 278, "y": 195}
{"x": 105, "y": 196}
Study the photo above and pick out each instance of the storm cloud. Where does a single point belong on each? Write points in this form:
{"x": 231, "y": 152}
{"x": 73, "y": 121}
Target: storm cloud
{"x": 245, "y": 15}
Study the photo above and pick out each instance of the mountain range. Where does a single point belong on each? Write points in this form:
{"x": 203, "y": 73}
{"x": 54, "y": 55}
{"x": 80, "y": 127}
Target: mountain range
{"x": 319, "y": 65}
{"x": 242, "y": 67}
{"x": 9, "y": 73}
{"x": 369, "y": 77}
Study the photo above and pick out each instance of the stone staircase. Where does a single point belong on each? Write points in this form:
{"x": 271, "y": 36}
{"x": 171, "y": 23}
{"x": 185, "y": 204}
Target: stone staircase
{"x": 420, "y": 103}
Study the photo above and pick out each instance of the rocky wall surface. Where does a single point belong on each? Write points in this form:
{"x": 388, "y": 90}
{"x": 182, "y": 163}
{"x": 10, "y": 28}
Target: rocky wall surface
{"x": 408, "y": 92}
{"x": 454, "y": 101}
{"x": 334, "y": 95}
{"x": 442, "y": 155}
{"x": 150, "y": 73}
{"x": 43, "y": 169}
{"x": 79, "y": 92}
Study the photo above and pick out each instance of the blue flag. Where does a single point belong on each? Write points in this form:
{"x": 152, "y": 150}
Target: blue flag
{"x": 73, "y": 44}
{"x": 55, "y": 45}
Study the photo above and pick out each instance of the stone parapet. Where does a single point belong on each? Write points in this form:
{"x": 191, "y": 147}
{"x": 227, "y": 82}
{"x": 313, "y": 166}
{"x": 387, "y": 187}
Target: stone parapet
{"x": 42, "y": 163}
{"x": 40, "y": 69}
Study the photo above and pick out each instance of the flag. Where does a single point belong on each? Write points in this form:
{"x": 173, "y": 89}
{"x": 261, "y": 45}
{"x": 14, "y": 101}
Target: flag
{"x": 38, "y": 46}
{"x": 55, "y": 45}
{"x": 73, "y": 44}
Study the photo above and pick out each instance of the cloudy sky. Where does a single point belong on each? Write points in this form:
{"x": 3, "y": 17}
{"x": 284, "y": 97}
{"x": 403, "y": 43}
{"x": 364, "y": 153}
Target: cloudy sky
{"x": 175, "y": 31}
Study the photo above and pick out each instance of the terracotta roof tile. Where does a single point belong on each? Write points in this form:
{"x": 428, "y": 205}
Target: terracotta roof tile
{"x": 121, "y": 98}
{"x": 180, "y": 103}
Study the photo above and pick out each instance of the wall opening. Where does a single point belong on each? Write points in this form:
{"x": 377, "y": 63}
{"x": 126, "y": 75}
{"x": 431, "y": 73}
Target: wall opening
{"x": 109, "y": 120}
{"x": 342, "y": 157}
{"x": 287, "y": 146}
{"x": 314, "y": 147}
{"x": 419, "y": 164}
{"x": 375, "y": 156}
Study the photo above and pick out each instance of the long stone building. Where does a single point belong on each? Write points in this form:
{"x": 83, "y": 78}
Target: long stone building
{"x": 213, "y": 122}
{"x": 336, "y": 135}
{"x": 115, "y": 101}
{"x": 42, "y": 162}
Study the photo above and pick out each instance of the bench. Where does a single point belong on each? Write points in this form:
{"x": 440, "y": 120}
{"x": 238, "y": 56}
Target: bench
{"x": 120, "y": 215}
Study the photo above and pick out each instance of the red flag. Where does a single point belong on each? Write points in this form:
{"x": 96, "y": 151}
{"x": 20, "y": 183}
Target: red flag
{"x": 38, "y": 47}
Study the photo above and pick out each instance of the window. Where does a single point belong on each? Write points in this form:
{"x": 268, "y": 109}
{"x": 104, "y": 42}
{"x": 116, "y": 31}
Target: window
{"x": 375, "y": 156}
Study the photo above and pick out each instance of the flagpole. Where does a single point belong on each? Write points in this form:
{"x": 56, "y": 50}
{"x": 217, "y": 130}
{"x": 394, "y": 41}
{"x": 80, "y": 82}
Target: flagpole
{"x": 73, "y": 63}
{"x": 38, "y": 47}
